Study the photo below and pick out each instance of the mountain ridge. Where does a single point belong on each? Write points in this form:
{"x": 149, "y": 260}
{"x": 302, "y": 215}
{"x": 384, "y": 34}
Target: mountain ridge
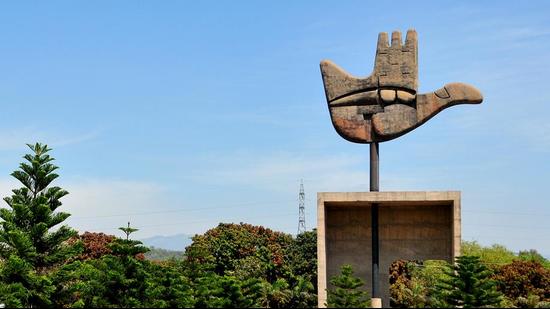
{"x": 176, "y": 242}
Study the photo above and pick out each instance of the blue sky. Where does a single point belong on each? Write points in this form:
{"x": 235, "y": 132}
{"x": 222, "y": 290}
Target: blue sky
{"x": 178, "y": 115}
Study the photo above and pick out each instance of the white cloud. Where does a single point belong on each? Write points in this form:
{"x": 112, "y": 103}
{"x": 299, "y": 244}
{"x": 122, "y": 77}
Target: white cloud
{"x": 103, "y": 205}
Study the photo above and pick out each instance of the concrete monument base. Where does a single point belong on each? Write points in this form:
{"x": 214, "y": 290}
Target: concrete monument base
{"x": 412, "y": 225}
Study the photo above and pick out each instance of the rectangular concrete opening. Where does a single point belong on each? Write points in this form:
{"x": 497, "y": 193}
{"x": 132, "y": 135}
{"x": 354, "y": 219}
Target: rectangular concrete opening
{"x": 414, "y": 229}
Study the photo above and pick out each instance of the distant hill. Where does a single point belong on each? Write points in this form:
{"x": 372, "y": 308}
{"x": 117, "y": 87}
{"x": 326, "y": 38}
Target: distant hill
{"x": 157, "y": 254}
{"x": 176, "y": 242}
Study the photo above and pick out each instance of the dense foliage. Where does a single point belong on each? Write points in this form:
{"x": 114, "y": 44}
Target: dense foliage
{"x": 284, "y": 266}
{"x": 43, "y": 265}
{"x": 524, "y": 282}
{"x": 121, "y": 279}
{"x": 412, "y": 284}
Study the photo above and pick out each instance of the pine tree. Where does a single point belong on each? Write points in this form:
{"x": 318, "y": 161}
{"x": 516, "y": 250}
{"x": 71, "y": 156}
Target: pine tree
{"x": 215, "y": 291}
{"x": 468, "y": 284}
{"x": 347, "y": 292}
{"x": 127, "y": 247}
{"x": 28, "y": 247}
{"x": 121, "y": 279}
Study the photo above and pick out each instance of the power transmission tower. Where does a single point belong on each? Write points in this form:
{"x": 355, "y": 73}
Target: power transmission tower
{"x": 302, "y": 209}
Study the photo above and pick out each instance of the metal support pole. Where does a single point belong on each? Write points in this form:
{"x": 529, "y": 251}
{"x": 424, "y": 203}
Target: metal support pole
{"x": 374, "y": 171}
{"x": 374, "y": 187}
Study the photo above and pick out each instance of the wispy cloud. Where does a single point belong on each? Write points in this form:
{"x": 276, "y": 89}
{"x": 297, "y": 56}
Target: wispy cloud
{"x": 522, "y": 34}
{"x": 281, "y": 172}
{"x": 260, "y": 118}
{"x": 76, "y": 139}
{"x": 11, "y": 139}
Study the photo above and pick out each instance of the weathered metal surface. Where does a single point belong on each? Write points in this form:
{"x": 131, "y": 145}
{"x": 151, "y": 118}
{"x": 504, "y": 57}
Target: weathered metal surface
{"x": 375, "y": 242}
{"x": 374, "y": 167}
{"x": 375, "y": 251}
{"x": 385, "y": 105}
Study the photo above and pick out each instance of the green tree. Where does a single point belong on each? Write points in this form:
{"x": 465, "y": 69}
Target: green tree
{"x": 492, "y": 256}
{"x": 127, "y": 248}
{"x": 534, "y": 256}
{"x": 29, "y": 246}
{"x": 127, "y": 278}
{"x": 468, "y": 284}
{"x": 287, "y": 266}
{"x": 224, "y": 248}
{"x": 348, "y": 292}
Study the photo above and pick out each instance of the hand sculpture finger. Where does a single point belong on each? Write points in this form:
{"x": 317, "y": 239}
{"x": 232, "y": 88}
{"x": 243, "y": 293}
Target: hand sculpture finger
{"x": 396, "y": 65}
{"x": 395, "y": 68}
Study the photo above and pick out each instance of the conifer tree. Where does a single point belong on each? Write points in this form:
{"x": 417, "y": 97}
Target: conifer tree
{"x": 114, "y": 280}
{"x": 28, "y": 245}
{"x": 348, "y": 292}
{"x": 127, "y": 247}
{"x": 468, "y": 284}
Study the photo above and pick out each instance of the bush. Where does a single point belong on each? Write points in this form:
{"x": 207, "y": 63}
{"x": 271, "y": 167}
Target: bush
{"x": 523, "y": 279}
{"x": 412, "y": 283}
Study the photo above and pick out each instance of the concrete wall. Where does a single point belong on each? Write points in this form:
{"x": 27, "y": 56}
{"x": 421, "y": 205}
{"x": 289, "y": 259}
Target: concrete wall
{"x": 412, "y": 225}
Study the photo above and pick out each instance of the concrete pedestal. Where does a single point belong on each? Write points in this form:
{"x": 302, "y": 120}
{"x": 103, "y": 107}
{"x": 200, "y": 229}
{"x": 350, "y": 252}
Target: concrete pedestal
{"x": 412, "y": 225}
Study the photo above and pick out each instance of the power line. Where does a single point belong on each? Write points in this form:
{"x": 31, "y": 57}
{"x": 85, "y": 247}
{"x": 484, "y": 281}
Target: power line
{"x": 196, "y": 221}
{"x": 507, "y": 213}
{"x": 510, "y": 226}
{"x": 301, "y": 221}
{"x": 484, "y": 236}
{"x": 177, "y": 210}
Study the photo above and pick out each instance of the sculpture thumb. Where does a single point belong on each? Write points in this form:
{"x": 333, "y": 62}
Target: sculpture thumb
{"x": 398, "y": 119}
{"x": 429, "y": 104}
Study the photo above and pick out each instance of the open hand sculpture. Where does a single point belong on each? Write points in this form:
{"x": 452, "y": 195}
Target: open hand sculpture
{"x": 385, "y": 105}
